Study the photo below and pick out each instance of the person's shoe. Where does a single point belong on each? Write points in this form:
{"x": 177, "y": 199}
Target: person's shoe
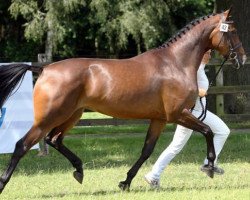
{"x": 217, "y": 170}
{"x": 154, "y": 183}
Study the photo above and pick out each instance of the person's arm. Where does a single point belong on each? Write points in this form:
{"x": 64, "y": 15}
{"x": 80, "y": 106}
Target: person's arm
{"x": 202, "y": 81}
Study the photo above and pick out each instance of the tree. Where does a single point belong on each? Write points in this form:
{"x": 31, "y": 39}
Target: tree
{"x": 148, "y": 22}
{"x": 117, "y": 20}
{"x": 13, "y": 45}
{"x": 76, "y": 27}
{"x": 47, "y": 17}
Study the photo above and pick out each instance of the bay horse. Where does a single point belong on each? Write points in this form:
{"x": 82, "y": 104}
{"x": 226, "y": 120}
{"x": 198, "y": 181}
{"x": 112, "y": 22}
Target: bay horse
{"x": 159, "y": 84}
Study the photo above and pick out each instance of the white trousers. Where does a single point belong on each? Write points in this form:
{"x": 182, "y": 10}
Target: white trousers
{"x": 181, "y": 136}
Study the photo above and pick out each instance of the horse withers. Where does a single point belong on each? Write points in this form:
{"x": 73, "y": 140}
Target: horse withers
{"x": 159, "y": 85}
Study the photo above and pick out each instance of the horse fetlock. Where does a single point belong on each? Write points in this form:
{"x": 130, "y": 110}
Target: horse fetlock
{"x": 211, "y": 156}
{"x": 77, "y": 163}
{"x": 78, "y": 176}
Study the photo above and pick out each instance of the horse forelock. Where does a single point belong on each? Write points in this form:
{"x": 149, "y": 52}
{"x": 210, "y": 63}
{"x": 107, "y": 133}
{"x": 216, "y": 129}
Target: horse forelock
{"x": 185, "y": 29}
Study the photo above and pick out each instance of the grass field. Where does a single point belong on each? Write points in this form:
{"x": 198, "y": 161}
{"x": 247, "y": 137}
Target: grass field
{"x": 107, "y": 160}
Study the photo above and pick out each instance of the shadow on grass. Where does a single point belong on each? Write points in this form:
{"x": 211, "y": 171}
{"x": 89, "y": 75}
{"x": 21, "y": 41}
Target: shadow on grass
{"x": 119, "y": 151}
{"x": 142, "y": 190}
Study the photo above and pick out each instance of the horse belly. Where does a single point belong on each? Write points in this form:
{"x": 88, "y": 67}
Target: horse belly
{"x": 135, "y": 109}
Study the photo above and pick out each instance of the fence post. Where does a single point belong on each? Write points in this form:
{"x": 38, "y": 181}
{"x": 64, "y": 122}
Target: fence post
{"x": 219, "y": 97}
{"x": 44, "y": 148}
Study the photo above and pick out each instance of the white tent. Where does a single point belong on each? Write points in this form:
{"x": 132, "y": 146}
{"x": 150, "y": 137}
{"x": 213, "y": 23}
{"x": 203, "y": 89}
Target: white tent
{"x": 16, "y": 115}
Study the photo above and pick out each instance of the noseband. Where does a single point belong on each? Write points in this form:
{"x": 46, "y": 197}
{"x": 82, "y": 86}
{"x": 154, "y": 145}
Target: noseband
{"x": 232, "y": 54}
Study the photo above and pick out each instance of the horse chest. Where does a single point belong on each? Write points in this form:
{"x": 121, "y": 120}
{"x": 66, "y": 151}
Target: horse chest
{"x": 179, "y": 94}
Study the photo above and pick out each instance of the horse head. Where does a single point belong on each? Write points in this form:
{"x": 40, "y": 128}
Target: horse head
{"x": 225, "y": 40}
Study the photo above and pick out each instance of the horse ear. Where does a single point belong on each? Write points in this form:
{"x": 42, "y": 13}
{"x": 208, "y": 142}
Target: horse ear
{"x": 228, "y": 12}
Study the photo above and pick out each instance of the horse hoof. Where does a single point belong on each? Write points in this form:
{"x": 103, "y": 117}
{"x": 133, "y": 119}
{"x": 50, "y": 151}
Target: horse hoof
{"x": 210, "y": 173}
{"x": 78, "y": 176}
{"x": 123, "y": 186}
{"x": 1, "y": 186}
{"x": 209, "y": 170}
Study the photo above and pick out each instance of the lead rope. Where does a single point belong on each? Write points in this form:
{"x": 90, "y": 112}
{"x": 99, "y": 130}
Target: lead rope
{"x": 221, "y": 66}
{"x": 203, "y": 110}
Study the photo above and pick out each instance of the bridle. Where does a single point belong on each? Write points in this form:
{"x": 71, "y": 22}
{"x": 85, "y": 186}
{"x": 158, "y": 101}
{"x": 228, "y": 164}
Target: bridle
{"x": 232, "y": 54}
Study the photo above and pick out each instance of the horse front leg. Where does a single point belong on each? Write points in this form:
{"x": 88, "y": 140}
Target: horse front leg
{"x": 191, "y": 122}
{"x": 22, "y": 146}
{"x": 155, "y": 128}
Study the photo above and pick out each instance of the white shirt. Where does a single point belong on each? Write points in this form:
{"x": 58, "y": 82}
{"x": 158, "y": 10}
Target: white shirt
{"x": 203, "y": 83}
{"x": 202, "y": 79}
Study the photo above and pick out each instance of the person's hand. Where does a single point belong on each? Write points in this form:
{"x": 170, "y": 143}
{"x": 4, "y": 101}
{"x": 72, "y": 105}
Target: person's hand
{"x": 202, "y": 92}
{"x": 206, "y": 57}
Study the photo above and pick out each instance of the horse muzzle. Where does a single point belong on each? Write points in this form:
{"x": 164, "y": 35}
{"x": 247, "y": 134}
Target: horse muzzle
{"x": 238, "y": 61}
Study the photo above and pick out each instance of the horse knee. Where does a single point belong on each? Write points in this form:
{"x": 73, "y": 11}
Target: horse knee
{"x": 208, "y": 131}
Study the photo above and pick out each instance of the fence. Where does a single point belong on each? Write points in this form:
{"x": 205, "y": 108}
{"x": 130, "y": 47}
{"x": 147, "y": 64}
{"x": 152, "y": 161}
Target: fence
{"x": 220, "y": 91}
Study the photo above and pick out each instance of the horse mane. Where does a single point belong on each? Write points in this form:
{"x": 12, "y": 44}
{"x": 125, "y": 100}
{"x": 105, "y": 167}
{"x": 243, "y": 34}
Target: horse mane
{"x": 184, "y": 30}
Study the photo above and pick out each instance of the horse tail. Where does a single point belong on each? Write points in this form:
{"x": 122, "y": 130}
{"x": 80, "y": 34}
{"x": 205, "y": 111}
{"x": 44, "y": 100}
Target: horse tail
{"x": 10, "y": 76}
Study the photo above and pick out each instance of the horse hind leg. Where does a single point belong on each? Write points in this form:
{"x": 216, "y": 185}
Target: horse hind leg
{"x": 191, "y": 122}
{"x": 22, "y": 146}
{"x": 55, "y": 140}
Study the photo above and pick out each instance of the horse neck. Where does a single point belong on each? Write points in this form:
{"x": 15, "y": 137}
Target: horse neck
{"x": 190, "y": 48}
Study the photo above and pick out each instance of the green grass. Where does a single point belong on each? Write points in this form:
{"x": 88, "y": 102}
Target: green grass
{"x": 107, "y": 160}
{"x": 104, "y": 130}
{"x": 94, "y": 115}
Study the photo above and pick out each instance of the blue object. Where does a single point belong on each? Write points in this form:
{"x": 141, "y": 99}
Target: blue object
{"x": 3, "y": 111}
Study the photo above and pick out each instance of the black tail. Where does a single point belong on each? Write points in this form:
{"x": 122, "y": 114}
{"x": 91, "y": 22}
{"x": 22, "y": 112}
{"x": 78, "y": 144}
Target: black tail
{"x": 10, "y": 76}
